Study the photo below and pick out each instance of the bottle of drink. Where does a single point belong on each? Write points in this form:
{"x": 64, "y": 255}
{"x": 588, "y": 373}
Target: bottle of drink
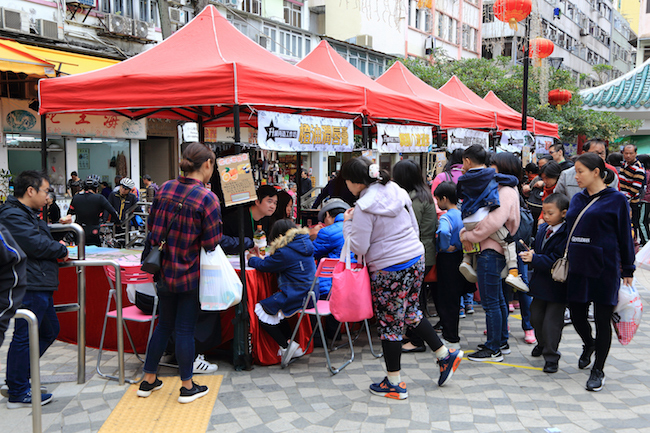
{"x": 259, "y": 238}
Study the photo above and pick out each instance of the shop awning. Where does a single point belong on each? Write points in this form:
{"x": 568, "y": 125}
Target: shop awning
{"x": 58, "y": 62}
{"x": 13, "y": 58}
{"x": 535, "y": 126}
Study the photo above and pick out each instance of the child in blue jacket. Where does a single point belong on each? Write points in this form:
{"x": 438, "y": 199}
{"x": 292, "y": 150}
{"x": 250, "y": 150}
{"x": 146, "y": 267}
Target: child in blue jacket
{"x": 291, "y": 256}
{"x": 549, "y": 296}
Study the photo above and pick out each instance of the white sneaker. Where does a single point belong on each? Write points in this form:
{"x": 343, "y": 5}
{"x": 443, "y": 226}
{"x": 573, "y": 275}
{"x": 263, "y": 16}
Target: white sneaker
{"x": 468, "y": 272}
{"x": 517, "y": 282}
{"x": 293, "y": 351}
{"x": 4, "y": 390}
{"x": 203, "y": 366}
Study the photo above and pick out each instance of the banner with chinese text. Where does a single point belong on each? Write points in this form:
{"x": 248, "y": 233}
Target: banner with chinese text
{"x": 236, "y": 179}
{"x": 514, "y": 141}
{"x": 542, "y": 143}
{"x": 461, "y": 138}
{"x": 404, "y": 138}
{"x": 18, "y": 118}
{"x": 296, "y": 133}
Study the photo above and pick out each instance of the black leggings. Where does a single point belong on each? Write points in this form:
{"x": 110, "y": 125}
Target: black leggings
{"x": 280, "y": 332}
{"x": 603, "y": 319}
{"x": 393, "y": 349}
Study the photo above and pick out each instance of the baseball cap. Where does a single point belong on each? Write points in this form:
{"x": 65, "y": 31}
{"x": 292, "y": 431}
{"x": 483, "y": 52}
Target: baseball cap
{"x": 333, "y": 203}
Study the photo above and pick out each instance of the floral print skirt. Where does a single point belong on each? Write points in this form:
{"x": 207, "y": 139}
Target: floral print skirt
{"x": 396, "y": 300}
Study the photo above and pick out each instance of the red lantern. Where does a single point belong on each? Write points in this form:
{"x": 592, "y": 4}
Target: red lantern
{"x": 512, "y": 11}
{"x": 559, "y": 97}
{"x": 540, "y": 48}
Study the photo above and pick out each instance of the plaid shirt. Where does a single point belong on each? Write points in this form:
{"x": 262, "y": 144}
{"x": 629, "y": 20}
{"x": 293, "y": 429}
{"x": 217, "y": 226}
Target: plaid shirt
{"x": 198, "y": 225}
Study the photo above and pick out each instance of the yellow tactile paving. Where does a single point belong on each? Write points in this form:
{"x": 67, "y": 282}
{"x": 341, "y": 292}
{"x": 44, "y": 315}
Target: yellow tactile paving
{"x": 161, "y": 412}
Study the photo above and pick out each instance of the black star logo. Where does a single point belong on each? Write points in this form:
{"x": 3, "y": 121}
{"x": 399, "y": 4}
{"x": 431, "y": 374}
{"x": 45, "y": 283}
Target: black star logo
{"x": 270, "y": 131}
{"x": 385, "y": 137}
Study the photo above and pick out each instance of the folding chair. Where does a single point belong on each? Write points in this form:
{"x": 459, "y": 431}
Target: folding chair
{"x": 129, "y": 275}
{"x": 321, "y": 308}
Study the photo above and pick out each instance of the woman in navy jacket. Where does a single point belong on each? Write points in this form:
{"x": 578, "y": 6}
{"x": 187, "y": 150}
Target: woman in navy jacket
{"x": 601, "y": 252}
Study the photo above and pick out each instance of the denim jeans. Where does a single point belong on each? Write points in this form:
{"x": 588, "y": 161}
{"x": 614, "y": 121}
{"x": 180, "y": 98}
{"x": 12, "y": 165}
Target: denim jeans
{"x": 178, "y": 313}
{"x": 524, "y": 298}
{"x": 467, "y": 300}
{"x": 18, "y": 373}
{"x": 488, "y": 267}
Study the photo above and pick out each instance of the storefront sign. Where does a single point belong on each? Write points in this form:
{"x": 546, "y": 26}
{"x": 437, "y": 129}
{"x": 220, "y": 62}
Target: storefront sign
{"x": 461, "y": 138}
{"x": 18, "y": 118}
{"x": 236, "y": 179}
{"x": 514, "y": 141}
{"x": 162, "y": 128}
{"x": 542, "y": 143}
{"x": 295, "y": 133}
{"x": 404, "y": 138}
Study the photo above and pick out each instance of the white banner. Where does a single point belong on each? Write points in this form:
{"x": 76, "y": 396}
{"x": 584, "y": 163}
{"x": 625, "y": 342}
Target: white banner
{"x": 404, "y": 138}
{"x": 296, "y": 133}
{"x": 542, "y": 143}
{"x": 18, "y": 118}
{"x": 514, "y": 141}
{"x": 461, "y": 138}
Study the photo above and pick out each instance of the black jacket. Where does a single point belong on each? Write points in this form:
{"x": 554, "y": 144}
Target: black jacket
{"x": 115, "y": 200}
{"x": 33, "y": 236}
{"x": 542, "y": 285}
{"x": 12, "y": 278}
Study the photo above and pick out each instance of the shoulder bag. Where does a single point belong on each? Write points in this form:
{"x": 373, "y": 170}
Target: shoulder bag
{"x": 153, "y": 262}
{"x": 560, "y": 269}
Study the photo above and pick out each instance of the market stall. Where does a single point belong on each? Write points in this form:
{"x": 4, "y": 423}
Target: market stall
{"x": 539, "y": 127}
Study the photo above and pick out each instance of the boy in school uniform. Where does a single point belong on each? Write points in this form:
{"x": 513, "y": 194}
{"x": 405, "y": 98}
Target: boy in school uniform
{"x": 549, "y": 296}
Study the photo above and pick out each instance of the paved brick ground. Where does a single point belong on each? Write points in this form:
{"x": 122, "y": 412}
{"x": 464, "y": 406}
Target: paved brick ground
{"x": 513, "y": 396}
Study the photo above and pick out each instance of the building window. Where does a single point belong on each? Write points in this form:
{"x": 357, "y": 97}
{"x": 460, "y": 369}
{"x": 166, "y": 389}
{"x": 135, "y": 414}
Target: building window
{"x": 488, "y": 13}
{"x": 292, "y": 14}
{"x": 428, "y": 21}
{"x": 128, "y": 8}
{"x": 106, "y": 6}
{"x": 143, "y": 9}
{"x": 153, "y": 8}
{"x": 252, "y": 6}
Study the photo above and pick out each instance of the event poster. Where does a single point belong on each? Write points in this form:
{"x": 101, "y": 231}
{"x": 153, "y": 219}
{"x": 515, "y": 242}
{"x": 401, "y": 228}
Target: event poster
{"x": 514, "y": 141}
{"x": 404, "y": 138}
{"x": 236, "y": 179}
{"x": 295, "y": 133}
{"x": 461, "y": 138}
{"x": 543, "y": 143}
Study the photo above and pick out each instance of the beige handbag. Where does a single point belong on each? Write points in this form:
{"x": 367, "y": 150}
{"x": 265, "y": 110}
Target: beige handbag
{"x": 560, "y": 269}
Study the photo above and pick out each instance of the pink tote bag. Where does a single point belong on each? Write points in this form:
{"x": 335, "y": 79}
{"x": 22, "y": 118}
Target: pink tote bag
{"x": 350, "y": 299}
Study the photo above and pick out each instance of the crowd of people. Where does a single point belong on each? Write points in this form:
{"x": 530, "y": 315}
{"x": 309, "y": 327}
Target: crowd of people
{"x": 484, "y": 224}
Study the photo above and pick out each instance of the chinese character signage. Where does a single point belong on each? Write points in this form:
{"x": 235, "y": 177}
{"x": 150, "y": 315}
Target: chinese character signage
{"x": 514, "y": 141}
{"x": 461, "y": 138}
{"x": 295, "y": 133}
{"x": 236, "y": 179}
{"x": 18, "y": 118}
{"x": 404, "y": 138}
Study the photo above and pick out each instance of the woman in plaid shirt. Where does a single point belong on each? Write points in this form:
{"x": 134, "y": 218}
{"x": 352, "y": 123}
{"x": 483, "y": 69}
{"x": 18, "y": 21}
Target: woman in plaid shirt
{"x": 198, "y": 225}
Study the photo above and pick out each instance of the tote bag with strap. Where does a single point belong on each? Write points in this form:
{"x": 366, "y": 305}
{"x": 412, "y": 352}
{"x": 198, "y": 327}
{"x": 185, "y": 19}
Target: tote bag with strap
{"x": 350, "y": 299}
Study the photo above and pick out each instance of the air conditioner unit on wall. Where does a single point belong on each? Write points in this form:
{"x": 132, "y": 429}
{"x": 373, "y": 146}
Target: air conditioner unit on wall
{"x": 584, "y": 32}
{"x": 175, "y": 15}
{"x": 11, "y": 20}
{"x": 364, "y": 41}
{"x": 140, "y": 29}
{"x": 119, "y": 24}
{"x": 48, "y": 29}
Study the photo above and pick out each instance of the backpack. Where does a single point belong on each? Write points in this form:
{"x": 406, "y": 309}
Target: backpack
{"x": 525, "y": 230}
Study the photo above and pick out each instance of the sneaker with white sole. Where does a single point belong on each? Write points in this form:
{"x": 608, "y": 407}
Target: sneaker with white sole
{"x": 504, "y": 349}
{"x": 529, "y": 337}
{"x": 388, "y": 390}
{"x": 189, "y": 395}
{"x": 517, "y": 283}
{"x": 596, "y": 380}
{"x": 26, "y": 400}
{"x": 4, "y": 390}
{"x": 292, "y": 351}
{"x": 468, "y": 272}
{"x": 485, "y": 354}
{"x": 203, "y": 366}
{"x": 147, "y": 388}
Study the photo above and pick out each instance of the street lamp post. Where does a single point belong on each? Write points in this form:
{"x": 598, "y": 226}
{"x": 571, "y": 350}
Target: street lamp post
{"x": 524, "y": 99}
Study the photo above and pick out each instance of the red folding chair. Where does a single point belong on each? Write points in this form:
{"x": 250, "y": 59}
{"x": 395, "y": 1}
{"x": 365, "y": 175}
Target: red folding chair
{"x": 129, "y": 275}
{"x": 321, "y": 308}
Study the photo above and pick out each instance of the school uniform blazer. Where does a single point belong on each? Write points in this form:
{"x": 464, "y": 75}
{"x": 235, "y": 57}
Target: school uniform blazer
{"x": 601, "y": 249}
{"x": 542, "y": 286}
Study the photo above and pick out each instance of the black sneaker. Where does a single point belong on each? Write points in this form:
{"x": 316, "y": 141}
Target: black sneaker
{"x": 585, "y": 358}
{"x": 485, "y": 354}
{"x": 537, "y": 351}
{"x": 189, "y": 395}
{"x": 596, "y": 380}
{"x": 504, "y": 349}
{"x": 147, "y": 388}
{"x": 550, "y": 367}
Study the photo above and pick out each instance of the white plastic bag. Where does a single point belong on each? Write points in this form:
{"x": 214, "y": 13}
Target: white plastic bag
{"x": 219, "y": 285}
{"x": 627, "y": 314}
{"x": 642, "y": 259}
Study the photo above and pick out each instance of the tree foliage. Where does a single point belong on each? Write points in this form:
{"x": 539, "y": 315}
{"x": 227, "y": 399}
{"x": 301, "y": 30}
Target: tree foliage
{"x": 506, "y": 81}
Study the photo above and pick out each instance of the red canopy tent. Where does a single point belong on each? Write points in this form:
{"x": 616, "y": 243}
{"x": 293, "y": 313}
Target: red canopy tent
{"x": 383, "y": 103}
{"x": 453, "y": 113}
{"x": 539, "y": 127}
{"x": 200, "y": 74}
{"x": 456, "y": 89}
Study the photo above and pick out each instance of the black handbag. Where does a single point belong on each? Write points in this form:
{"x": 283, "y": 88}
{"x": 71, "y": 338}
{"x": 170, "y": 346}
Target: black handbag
{"x": 153, "y": 262}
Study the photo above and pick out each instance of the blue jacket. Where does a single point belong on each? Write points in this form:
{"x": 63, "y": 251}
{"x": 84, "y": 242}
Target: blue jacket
{"x": 601, "y": 249}
{"x": 449, "y": 226}
{"x": 34, "y": 238}
{"x": 480, "y": 188}
{"x": 329, "y": 243}
{"x": 542, "y": 285}
{"x": 292, "y": 257}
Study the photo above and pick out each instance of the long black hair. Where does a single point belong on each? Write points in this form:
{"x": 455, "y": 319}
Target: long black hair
{"x": 509, "y": 163}
{"x": 551, "y": 170}
{"x": 408, "y": 175}
{"x": 356, "y": 170}
{"x": 455, "y": 158}
{"x": 593, "y": 161}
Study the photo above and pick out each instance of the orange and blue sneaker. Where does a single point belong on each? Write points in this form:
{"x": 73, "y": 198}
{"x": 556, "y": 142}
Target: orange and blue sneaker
{"x": 448, "y": 365}
{"x": 387, "y": 389}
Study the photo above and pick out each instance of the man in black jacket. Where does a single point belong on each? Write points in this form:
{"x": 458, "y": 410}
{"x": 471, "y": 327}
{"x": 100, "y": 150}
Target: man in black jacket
{"x": 20, "y": 216}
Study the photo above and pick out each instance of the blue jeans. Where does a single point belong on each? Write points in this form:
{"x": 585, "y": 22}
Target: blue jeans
{"x": 467, "y": 300}
{"x": 177, "y": 313}
{"x": 524, "y": 298}
{"x": 18, "y": 373}
{"x": 488, "y": 267}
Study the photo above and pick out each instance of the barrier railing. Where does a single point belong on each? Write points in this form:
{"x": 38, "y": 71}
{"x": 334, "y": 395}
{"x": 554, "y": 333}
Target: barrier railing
{"x": 34, "y": 354}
